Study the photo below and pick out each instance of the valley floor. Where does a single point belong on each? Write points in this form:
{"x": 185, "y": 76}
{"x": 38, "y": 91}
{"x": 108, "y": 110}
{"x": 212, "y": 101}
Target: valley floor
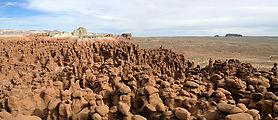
{"x": 261, "y": 52}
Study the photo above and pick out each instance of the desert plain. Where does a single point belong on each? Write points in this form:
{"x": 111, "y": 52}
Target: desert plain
{"x": 260, "y": 51}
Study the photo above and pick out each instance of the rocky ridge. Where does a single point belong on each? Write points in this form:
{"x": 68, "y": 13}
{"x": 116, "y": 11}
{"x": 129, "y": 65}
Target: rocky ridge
{"x": 67, "y": 79}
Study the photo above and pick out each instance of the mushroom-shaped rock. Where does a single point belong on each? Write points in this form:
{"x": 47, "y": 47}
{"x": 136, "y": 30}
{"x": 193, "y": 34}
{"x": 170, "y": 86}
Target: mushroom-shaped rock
{"x": 228, "y": 108}
{"x": 239, "y": 116}
{"x": 181, "y": 113}
{"x": 102, "y": 110}
{"x": 138, "y": 117}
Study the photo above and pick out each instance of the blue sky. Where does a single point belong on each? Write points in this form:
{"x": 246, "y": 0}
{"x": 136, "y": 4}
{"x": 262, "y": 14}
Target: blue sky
{"x": 144, "y": 17}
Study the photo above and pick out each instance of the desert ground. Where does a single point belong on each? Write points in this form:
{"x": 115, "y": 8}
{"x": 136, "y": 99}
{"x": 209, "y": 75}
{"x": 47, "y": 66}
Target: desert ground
{"x": 261, "y": 52}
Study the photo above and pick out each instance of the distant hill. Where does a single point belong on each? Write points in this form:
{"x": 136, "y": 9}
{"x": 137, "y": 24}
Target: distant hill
{"x": 22, "y": 32}
{"x": 30, "y": 32}
{"x": 233, "y": 35}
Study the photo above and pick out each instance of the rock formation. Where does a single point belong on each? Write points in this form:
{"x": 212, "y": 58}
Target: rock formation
{"x": 53, "y": 79}
{"x": 81, "y": 31}
{"x": 127, "y": 36}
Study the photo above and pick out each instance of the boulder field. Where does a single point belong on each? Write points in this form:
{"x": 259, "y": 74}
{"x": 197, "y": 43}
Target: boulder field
{"x": 62, "y": 79}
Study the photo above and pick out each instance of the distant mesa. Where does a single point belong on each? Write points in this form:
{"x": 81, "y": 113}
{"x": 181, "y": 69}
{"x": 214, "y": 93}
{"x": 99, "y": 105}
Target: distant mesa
{"x": 81, "y": 31}
{"x": 216, "y": 36}
{"x": 21, "y": 32}
{"x": 233, "y": 35}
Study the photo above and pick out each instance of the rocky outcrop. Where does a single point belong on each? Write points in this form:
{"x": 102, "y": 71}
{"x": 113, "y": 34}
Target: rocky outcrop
{"x": 81, "y": 31}
{"x": 127, "y": 36}
{"x": 100, "y": 80}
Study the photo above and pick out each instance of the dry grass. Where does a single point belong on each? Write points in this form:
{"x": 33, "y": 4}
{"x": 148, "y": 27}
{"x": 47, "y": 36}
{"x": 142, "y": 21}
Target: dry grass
{"x": 254, "y": 50}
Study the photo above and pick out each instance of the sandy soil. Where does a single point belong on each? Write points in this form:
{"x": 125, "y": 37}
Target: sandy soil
{"x": 254, "y": 50}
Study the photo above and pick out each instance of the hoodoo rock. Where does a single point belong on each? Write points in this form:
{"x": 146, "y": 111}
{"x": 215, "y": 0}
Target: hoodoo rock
{"x": 66, "y": 79}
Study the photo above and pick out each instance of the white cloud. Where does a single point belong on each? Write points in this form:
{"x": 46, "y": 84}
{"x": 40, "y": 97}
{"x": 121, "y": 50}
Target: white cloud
{"x": 10, "y": 3}
{"x": 159, "y": 17}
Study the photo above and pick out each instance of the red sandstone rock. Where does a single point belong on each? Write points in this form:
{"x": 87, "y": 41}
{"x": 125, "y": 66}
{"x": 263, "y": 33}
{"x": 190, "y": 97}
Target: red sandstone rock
{"x": 61, "y": 78}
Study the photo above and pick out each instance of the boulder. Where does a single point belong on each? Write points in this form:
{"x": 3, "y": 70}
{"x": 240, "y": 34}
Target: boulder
{"x": 123, "y": 108}
{"x": 82, "y": 115}
{"x": 124, "y": 89}
{"x": 257, "y": 96}
{"x": 96, "y": 116}
{"x": 242, "y": 107}
{"x": 212, "y": 115}
{"x": 228, "y": 108}
{"x": 191, "y": 84}
{"x": 4, "y": 114}
{"x": 219, "y": 94}
{"x": 138, "y": 117}
{"x": 24, "y": 117}
{"x": 239, "y": 116}
{"x": 160, "y": 107}
{"x": 181, "y": 113}
{"x": 215, "y": 77}
{"x": 149, "y": 90}
{"x": 102, "y": 110}
{"x": 254, "y": 113}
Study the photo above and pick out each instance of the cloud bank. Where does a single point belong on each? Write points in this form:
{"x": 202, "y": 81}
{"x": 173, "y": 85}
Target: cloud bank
{"x": 153, "y": 17}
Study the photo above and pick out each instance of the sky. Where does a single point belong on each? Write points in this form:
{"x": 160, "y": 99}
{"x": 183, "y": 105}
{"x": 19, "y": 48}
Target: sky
{"x": 144, "y": 17}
